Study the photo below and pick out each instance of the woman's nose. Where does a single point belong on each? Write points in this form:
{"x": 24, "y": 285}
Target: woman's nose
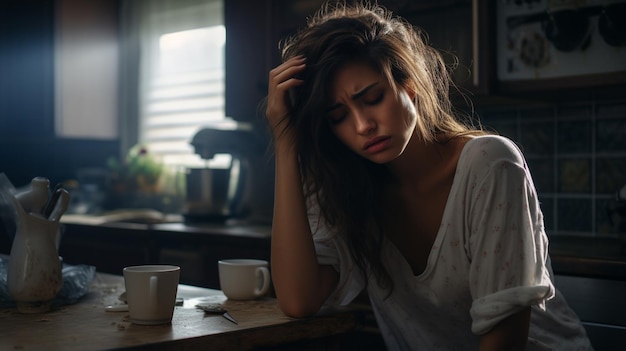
{"x": 365, "y": 124}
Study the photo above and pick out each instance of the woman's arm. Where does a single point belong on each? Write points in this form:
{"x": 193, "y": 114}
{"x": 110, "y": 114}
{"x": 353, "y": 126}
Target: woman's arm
{"x": 507, "y": 244}
{"x": 301, "y": 284}
{"x": 509, "y": 335}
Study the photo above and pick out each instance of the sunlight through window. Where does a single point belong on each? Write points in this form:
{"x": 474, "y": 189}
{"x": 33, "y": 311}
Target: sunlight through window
{"x": 185, "y": 90}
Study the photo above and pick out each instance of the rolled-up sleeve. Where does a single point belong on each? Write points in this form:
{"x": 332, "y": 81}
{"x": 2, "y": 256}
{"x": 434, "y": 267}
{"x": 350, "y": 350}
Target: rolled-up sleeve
{"x": 507, "y": 245}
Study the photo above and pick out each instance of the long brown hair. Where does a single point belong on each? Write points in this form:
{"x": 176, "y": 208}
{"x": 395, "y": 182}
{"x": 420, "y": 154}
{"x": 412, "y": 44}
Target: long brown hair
{"x": 345, "y": 185}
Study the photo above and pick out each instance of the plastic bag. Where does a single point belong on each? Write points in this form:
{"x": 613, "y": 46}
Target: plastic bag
{"x": 76, "y": 282}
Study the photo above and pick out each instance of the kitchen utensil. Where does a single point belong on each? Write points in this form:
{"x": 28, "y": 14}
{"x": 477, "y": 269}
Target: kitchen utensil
{"x": 216, "y": 308}
{"x": 215, "y": 193}
{"x": 52, "y": 199}
{"x": 59, "y": 204}
{"x": 220, "y": 191}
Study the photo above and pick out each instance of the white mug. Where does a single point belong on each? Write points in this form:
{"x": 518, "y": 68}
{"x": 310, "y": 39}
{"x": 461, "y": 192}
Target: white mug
{"x": 151, "y": 293}
{"x": 244, "y": 279}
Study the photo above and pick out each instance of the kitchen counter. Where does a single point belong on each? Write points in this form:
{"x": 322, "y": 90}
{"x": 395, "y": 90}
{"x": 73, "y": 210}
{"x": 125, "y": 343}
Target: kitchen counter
{"x": 591, "y": 272}
{"x": 149, "y": 237}
{"x": 172, "y": 239}
{"x": 261, "y": 325}
{"x": 588, "y": 256}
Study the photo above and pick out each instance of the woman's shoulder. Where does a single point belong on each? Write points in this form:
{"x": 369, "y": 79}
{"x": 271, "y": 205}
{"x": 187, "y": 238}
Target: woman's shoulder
{"x": 486, "y": 150}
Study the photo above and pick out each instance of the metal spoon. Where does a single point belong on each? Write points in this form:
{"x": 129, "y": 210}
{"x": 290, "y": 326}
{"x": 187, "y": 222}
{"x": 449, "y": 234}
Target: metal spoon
{"x": 60, "y": 205}
{"x": 216, "y": 309}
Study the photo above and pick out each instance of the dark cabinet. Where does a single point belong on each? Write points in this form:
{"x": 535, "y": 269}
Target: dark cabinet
{"x": 459, "y": 30}
{"x": 196, "y": 250}
{"x": 247, "y": 62}
{"x": 596, "y": 302}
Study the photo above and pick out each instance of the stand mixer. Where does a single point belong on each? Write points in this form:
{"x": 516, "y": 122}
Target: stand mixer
{"x": 219, "y": 193}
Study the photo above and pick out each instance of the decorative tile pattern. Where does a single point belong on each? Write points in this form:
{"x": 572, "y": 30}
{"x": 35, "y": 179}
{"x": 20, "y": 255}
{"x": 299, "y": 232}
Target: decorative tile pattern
{"x": 585, "y": 144}
{"x": 575, "y": 176}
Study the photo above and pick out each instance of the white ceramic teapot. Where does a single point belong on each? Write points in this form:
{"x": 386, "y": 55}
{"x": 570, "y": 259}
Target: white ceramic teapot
{"x": 34, "y": 276}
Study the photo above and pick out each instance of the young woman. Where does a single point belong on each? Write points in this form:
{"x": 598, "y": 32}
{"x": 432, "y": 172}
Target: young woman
{"x": 380, "y": 187}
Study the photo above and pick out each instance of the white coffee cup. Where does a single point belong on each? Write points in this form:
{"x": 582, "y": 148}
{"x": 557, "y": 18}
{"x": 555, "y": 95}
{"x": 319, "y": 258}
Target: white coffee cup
{"x": 151, "y": 293}
{"x": 244, "y": 279}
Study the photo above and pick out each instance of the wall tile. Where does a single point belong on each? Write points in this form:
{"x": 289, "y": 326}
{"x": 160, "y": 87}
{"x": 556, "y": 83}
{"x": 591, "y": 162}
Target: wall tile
{"x": 611, "y": 135}
{"x": 585, "y": 144}
{"x": 537, "y": 137}
{"x": 611, "y": 109}
{"x": 608, "y": 222}
{"x": 574, "y": 136}
{"x": 574, "y": 175}
{"x": 505, "y": 128}
{"x": 542, "y": 171}
{"x": 577, "y": 111}
{"x": 502, "y": 122}
{"x": 610, "y": 174}
{"x": 543, "y": 113}
{"x": 574, "y": 215}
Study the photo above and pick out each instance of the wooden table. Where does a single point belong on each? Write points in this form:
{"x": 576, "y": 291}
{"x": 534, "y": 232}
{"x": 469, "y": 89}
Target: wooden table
{"x": 87, "y": 326}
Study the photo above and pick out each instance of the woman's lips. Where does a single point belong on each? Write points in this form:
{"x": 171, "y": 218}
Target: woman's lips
{"x": 377, "y": 144}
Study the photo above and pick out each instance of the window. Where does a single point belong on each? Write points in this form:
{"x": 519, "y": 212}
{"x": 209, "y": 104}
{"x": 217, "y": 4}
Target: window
{"x": 180, "y": 74}
{"x": 185, "y": 89}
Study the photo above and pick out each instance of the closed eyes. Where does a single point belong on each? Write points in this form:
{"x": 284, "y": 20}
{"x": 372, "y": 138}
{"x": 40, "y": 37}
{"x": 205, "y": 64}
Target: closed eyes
{"x": 339, "y": 112}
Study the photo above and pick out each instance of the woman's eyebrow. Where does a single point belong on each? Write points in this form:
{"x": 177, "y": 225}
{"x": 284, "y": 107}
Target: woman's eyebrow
{"x": 355, "y": 96}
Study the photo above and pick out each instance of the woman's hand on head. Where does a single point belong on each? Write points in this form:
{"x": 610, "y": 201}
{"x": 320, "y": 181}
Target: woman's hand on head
{"x": 281, "y": 79}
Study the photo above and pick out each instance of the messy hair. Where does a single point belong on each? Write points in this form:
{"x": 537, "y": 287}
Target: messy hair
{"x": 345, "y": 185}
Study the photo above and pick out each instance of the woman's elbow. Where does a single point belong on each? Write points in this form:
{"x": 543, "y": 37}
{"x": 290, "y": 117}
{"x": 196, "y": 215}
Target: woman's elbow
{"x": 298, "y": 309}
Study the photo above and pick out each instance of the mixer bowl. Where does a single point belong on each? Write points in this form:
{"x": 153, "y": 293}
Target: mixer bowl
{"x": 213, "y": 194}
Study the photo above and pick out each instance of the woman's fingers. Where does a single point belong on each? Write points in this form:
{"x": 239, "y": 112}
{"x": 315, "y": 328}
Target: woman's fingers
{"x": 285, "y": 73}
{"x": 286, "y": 69}
{"x": 281, "y": 79}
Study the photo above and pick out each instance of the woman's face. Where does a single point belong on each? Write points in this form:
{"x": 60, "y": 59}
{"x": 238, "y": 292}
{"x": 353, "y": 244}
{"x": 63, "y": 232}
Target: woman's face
{"x": 367, "y": 116}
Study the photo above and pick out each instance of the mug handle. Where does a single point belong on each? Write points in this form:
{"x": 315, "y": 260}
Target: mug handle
{"x": 259, "y": 291}
{"x": 154, "y": 288}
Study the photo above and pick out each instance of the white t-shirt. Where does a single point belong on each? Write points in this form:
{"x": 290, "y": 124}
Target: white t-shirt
{"x": 488, "y": 261}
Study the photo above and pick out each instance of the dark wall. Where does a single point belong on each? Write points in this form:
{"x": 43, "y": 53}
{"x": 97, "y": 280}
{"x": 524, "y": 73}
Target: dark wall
{"x": 53, "y": 158}
{"x": 26, "y": 69}
{"x": 28, "y": 145}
